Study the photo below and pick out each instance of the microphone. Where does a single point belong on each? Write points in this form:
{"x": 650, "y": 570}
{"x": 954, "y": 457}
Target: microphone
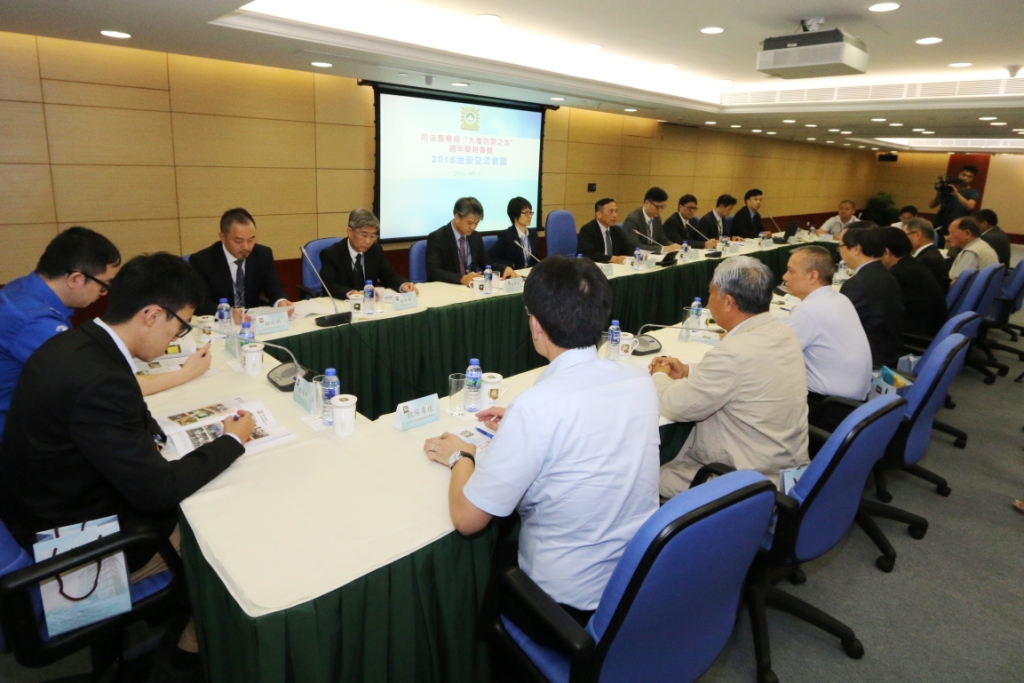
{"x": 327, "y": 320}
{"x": 283, "y": 376}
{"x": 518, "y": 244}
{"x": 694, "y": 228}
{"x": 776, "y": 224}
{"x": 648, "y": 238}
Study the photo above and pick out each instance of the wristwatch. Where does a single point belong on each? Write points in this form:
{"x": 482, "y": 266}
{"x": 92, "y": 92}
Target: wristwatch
{"x": 459, "y": 456}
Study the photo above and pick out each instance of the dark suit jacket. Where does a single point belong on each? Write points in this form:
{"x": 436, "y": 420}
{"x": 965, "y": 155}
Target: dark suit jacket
{"x": 79, "y": 445}
{"x": 590, "y": 242}
{"x": 506, "y": 252}
{"x": 637, "y": 221}
{"x": 677, "y": 230}
{"x": 336, "y": 270}
{"x": 709, "y": 225}
{"x": 443, "y": 255}
{"x": 743, "y": 225}
{"x": 876, "y": 295}
{"x": 260, "y": 277}
{"x": 932, "y": 259}
{"x": 1000, "y": 242}
{"x": 923, "y": 299}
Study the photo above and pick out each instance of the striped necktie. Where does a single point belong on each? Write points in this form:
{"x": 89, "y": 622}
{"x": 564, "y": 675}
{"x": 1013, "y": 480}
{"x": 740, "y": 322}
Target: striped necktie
{"x": 463, "y": 255}
{"x": 240, "y": 282}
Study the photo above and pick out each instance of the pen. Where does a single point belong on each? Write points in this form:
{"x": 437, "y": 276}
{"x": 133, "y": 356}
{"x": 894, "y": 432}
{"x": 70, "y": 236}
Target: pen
{"x": 487, "y": 434}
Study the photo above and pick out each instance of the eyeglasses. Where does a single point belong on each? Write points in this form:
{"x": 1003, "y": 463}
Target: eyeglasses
{"x": 527, "y": 311}
{"x": 526, "y": 212}
{"x": 659, "y": 205}
{"x": 104, "y": 286}
{"x": 370, "y": 236}
{"x": 185, "y": 327}
{"x": 690, "y": 207}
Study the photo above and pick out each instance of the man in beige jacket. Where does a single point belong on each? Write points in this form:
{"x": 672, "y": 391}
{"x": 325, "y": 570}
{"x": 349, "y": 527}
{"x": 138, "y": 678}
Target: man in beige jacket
{"x": 748, "y": 395}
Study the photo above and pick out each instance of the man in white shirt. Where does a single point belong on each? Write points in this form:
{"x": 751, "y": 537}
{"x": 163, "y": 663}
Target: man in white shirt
{"x": 835, "y": 225}
{"x": 748, "y": 395}
{"x": 576, "y": 454}
{"x": 907, "y": 213}
{"x": 965, "y": 233}
{"x": 836, "y": 350}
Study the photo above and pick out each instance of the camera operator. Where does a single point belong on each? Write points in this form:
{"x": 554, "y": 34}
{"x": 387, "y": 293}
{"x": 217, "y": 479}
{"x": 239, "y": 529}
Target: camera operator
{"x": 957, "y": 199}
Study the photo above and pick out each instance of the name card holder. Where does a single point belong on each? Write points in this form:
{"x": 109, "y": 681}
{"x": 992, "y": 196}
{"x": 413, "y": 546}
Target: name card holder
{"x": 305, "y": 394}
{"x": 266, "y": 320}
{"x": 405, "y": 301}
{"x": 233, "y": 346}
{"x": 513, "y": 284}
{"x": 417, "y": 413}
{"x": 606, "y": 268}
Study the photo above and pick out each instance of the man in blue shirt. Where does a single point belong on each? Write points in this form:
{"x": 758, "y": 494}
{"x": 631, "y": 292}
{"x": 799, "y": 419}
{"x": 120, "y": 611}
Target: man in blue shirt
{"x": 74, "y": 271}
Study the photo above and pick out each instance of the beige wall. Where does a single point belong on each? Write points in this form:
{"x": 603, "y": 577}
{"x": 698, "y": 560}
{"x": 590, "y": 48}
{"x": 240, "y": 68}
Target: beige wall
{"x": 911, "y": 179}
{"x": 1004, "y": 190}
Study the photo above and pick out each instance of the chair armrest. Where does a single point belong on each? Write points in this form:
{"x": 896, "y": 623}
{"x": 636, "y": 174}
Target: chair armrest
{"x": 712, "y": 469}
{"x": 917, "y": 339}
{"x": 914, "y": 349}
{"x": 545, "y": 613}
{"x": 309, "y": 293}
{"x": 817, "y": 438}
{"x": 784, "y": 538}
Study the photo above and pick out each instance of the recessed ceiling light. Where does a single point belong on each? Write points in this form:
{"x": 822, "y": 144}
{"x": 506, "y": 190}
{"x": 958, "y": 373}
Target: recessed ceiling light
{"x": 860, "y": 146}
{"x": 998, "y": 123}
{"x": 558, "y": 99}
{"x": 1018, "y": 130}
{"x": 120, "y": 35}
{"x": 788, "y": 120}
{"x": 735, "y": 125}
{"x": 459, "y": 84}
{"x": 929, "y": 41}
{"x": 928, "y": 132}
{"x": 960, "y": 65}
{"x": 884, "y": 7}
{"x": 812, "y": 138}
{"x": 772, "y": 132}
{"x": 810, "y": 125}
{"x": 403, "y": 74}
{"x": 668, "y": 66}
{"x": 756, "y": 130}
{"x": 918, "y": 130}
{"x": 710, "y": 123}
{"x": 895, "y": 125}
{"x": 322, "y": 65}
{"x": 662, "y": 121}
{"x": 846, "y": 144}
{"x": 593, "y": 46}
{"x": 712, "y": 30}
{"x": 833, "y": 130}
{"x": 830, "y": 142}
{"x": 629, "y": 110}
{"x": 987, "y": 118}
{"x": 878, "y": 120}
{"x": 488, "y": 18}
{"x": 874, "y": 149}
{"x": 846, "y": 132}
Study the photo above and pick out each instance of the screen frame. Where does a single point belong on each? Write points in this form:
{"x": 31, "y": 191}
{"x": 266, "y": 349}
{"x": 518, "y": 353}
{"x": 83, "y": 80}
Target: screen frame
{"x": 422, "y": 93}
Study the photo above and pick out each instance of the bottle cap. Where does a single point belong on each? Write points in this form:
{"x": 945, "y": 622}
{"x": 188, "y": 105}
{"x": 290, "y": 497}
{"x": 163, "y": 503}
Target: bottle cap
{"x": 474, "y": 361}
{"x": 330, "y": 372}
{"x": 246, "y": 325}
{"x": 697, "y": 299}
{"x": 369, "y": 282}
{"x": 615, "y": 322}
{"x": 223, "y": 301}
{"x": 488, "y": 267}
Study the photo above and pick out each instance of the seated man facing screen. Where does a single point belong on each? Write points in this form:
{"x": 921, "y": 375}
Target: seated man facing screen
{"x": 576, "y": 454}
{"x": 348, "y": 264}
{"x": 80, "y": 443}
{"x": 517, "y": 245}
{"x": 747, "y": 221}
{"x": 924, "y": 302}
{"x": 455, "y": 252}
{"x": 236, "y": 268}
{"x": 922, "y": 238}
{"x": 965, "y": 235}
{"x": 906, "y": 213}
{"x": 712, "y": 224}
{"x": 601, "y": 240}
{"x": 835, "y": 225}
{"x": 682, "y": 226}
{"x": 836, "y": 351}
{"x": 748, "y": 395}
{"x": 647, "y": 222}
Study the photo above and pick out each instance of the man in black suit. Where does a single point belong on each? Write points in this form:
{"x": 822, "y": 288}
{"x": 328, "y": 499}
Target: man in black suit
{"x": 922, "y": 238}
{"x": 80, "y": 443}
{"x": 988, "y": 221}
{"x": 682, "y": 226}
{"x": 923, "y": 299}
{"x": 517, "y": 245}
{"x": 747, "y": 222}
{"x": 455, "y": 253}
{"x": 647, "y": 222}
{"x": 236, "y": 268}
{"x": 601, "y": 240}
{"x": 347, "y": 265}
{"x": 712, "y": 223}
{"x": 873, "y": 291}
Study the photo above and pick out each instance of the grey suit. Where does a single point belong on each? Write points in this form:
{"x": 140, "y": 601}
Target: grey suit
{"x": 637, "y": 221}
{"x": 1000, "y": 243}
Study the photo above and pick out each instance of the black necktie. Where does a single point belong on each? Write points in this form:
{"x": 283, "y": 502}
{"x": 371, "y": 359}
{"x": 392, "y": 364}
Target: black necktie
{"x": 608, "y": 242}
{"x": 240, "y": 282}
{"x": 360, "y": 276}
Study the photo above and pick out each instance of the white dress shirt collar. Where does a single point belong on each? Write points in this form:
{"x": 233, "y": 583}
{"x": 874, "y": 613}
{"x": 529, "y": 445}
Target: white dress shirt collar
{"x": 231, "y": 263}
{"x": 352, "y": 253}
{"x": 120, "y": 344}
{"x": 730, "y": 332}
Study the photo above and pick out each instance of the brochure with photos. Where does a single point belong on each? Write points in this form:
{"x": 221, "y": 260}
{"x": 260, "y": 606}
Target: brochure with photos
{"x": 188, "y": 430}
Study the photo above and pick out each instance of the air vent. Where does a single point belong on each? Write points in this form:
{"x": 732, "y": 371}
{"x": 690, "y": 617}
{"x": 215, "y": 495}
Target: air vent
{"x": 854, "y": 93}
{"x": 764, "y": 97}
{"x": 891, "y": 91}
{"x": 978, "y": 88}
{"x": 888, "y": 92}
{"x": 938, "y": 89}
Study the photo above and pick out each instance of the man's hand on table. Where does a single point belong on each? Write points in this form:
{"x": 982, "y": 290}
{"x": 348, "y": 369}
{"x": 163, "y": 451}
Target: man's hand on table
{"x": 410, "y": 287}
{"x": 467, "y": 279}
{"x": 617, "y": 259}
{"x": 508, "y": 272}
{"x": 284, "y": 303}
{"x": 440, "y": 448}
{"x": 198, "y": 362}
{"x": 491, "y": 417}
{"x": 711, "y": 244}
{"x": 241, "y": 425}
{"x": 673, "y": 367}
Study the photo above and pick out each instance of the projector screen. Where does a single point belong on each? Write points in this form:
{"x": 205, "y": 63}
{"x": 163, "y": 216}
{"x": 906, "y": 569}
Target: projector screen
{"x": 433, "y": 151}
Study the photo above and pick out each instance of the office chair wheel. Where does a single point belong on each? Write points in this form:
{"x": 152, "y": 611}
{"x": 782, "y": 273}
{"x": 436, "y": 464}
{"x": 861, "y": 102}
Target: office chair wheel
{"x": 960, "y": 443}
{"x": 1003, "y": 371}
{"x": 883, "y": 496}
{"x": 943, "y": 491}
{"x": 990, "y": 380}
{"x": 886, "y": 564}
{"x": 798, "y": 578}
{"x": 767, "y": 676}
{"x": 853, "y": 648}
{"x": 917, "y": 530}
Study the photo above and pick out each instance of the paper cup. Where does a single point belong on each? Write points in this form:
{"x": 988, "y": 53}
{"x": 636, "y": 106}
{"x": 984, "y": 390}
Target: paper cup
{"x": 343, "y": 408}
{"x": 204, "y": 325}
{"x": 356, "y": 303}
{"x": 494, "y": 386}
{"x": 252, "y": 358}
{"x": 478, "y": 286}
{"x": 627, "y": 343}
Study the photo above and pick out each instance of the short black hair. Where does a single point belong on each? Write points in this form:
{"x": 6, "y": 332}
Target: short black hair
{"x": 466, "y": 206}
{"x": 970, "y": 169}
{"x": 599, "y": 204}
{"x": 162, "y": 279}
{"x": 989, "y": 216}
{"x": 516, "y": 206}
{"x": 897, "y": 242}
{"x": 870, "y": 239}
{"x": 752, "y": 193}
{"x": 77, "y": 250}
{"x": 909, "y": 208}
{"x": 725, "y": 200}
{"x": 656, "y": 194}
{"x": 571, "y": 299}
{"x": 970, "y": 225}
{"x": 236, "y": 215}
{"x": 686, "y": 199}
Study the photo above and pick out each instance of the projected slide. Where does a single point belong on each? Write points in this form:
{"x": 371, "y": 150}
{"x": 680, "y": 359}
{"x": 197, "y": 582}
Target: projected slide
{"x": 432, "y": 152}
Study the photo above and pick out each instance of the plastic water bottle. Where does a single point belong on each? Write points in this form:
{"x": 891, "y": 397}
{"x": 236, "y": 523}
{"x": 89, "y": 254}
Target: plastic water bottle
{"x": 331, "y": 385}
{"x": 472, "y": 398}
{"x": 246, "y": 334}
{"x": 368, "y": 305}
{"x": 686, "y": 251}
{"x": 223, "y": 319}
{"x": 488, "y": 279}
{"x": 692, "y": 323}
{"x": 638, "y": 259}
{"x": 614, "y": 337}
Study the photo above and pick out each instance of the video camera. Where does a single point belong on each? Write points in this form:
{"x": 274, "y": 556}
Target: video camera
{"x": 946, "y": 184}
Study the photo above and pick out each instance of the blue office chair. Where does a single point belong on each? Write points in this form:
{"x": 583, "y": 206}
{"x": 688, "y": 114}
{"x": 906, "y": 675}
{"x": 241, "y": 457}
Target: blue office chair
{"x": 727, "y": 226}
{"x": 1006, "y": 302}
{"x": 957, "y": 290}
{"x": 980, "y": 297}
{"x": 418, "y": 261}
{"x": 489, "y": 242}
{"x": 310, "y": 287}
{"x": 813, "y": 518}
{"x": 561, "y": 233}
{"x": 21, "y": 613}
{"x": 1014, "y": 282}
{"x": 186, "y": 258}
{"x": 670, "y": 605}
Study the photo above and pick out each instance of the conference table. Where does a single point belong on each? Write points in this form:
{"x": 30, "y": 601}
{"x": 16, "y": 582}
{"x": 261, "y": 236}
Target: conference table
{"x": 332, "y": 558}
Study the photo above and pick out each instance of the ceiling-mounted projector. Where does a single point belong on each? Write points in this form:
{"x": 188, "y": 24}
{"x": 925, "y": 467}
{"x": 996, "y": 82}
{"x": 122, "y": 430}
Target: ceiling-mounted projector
{"x": 813, "y": 54}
